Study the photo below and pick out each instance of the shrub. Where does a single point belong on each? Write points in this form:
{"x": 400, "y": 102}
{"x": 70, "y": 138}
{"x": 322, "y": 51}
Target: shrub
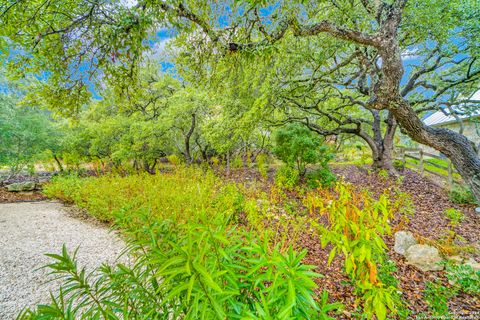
{"x": 174, "y": 159}
{"x": 461, "y": 195}
{"x": 287, "y": 177}
{"x": 237, "y": 162}
{"x": 297, "y": 146}
{"x": 320, "y": 178}
{"x": 437, "y": 297}
{"x": 187, "y": 272}
{"x": 357, "y": 225}
{"x": 455, "y": 216}
{"x": 398, "y": 164}
{"x": 215, "y": 161}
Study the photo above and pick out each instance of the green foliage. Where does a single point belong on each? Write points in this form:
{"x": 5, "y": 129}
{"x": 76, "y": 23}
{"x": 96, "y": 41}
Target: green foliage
{"x": 386, "y": 274}
{"x": 26, "y": 134}
{"x": 297, "y": 146}
{"x": 188, "y": 272}
{"x": 437, "y": 297}
{"x": 286, "y": 177}
{"x": 464, "y": 277}
{"x": 462, "y": 195}
{"x": 455, "y": 216}
{"x": 191, "y": 261}
{"x": 398, "y": 164}
{"x": 321, "y": 178}
{"x": 357, "y": 225}
{"x": 174, "y": 159}
{"x": 237, "y": 162}
{"x": 262, "y": 165}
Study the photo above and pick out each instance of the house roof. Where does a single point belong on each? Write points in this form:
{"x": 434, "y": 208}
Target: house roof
{"x": 444, "y": 117}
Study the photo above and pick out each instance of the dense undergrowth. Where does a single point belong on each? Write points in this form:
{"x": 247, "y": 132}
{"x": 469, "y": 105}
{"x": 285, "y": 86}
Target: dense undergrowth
{"x": 204, "y": 248}
{"x": 190, "y": 259}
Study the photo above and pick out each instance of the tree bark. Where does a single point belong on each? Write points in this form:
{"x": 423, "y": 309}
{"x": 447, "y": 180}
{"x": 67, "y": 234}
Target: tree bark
{"x": 60, "y": 167}
{"x": 384, "y": 159}
{"x": 187, "y": 154}
{"x": 455, "y": 146}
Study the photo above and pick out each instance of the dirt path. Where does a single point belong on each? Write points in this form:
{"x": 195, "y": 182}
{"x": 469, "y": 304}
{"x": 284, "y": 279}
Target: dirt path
{"x": 28, "y": 231}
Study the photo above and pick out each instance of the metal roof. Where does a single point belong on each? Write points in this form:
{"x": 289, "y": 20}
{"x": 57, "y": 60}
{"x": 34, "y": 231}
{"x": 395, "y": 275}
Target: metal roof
{"x": 443, "y": 117}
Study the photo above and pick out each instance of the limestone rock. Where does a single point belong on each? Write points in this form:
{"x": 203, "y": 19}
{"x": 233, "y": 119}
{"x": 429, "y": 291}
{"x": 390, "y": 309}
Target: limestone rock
{"x": 403, "y": 241}
{"x": 21, "y": 186}
{"x": 455, "y": 259}
{"x": 424, "y": 257}
{"x": 474, "y": 264}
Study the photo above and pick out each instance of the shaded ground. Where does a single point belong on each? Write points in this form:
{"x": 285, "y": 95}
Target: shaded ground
{"x": 6, "y": 197}
{"x": 428, "y": 223}
{"x": 29, "y": 230}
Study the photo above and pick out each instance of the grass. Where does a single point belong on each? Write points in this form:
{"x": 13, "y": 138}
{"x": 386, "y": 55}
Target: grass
{"x": 413, "y": 163}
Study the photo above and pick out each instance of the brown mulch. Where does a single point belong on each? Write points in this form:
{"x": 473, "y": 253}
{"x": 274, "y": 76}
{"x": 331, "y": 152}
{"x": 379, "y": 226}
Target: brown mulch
{"x": 6, "y": 196}
{"x": 428, "y": 221}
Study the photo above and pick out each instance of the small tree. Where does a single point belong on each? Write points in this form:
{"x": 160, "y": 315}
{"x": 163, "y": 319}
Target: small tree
{"x": 297, "y": 146}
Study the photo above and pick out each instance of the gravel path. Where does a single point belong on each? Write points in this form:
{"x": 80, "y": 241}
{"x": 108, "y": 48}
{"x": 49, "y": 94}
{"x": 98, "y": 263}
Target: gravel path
{"x": 27, "y": 232}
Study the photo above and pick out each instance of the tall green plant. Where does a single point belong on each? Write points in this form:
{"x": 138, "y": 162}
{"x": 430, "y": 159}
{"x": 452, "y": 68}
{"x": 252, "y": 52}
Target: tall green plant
{"x": 356, "y": 226}
{"x": 189, "y": 259}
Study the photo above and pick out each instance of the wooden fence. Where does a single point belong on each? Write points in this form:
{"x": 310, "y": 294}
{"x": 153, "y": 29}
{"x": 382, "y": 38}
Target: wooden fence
{"x": 422, "y": 160}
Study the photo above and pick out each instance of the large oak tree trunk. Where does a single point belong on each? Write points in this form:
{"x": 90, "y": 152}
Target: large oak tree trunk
{"x": 381, "y": 145}
{"x": 455, "y": 146}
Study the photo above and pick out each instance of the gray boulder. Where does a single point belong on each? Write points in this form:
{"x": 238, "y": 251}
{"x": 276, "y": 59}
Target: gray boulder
{"x": 403, "y": 241}
{"x": 21, "y": 186}
{"x": 424, "y": 257}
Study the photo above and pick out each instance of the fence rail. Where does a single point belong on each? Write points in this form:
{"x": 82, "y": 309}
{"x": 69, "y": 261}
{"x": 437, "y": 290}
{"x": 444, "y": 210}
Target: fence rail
{"x": 423, "y": 162}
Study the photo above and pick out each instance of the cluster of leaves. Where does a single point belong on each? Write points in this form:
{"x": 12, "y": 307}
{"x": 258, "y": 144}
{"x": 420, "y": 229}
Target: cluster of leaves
{"x": 262, "y": 163}
{"x": 27, "y": 134}
{"x": 462, "y": 277}
{"x": 298, "y": 146}
{"x": 462, "y": 195}
{"x": 357, "y": 224}
{"x": 437, "y": 297}
{"x": 190, "y": 260}
{"x": 455, "y": 216}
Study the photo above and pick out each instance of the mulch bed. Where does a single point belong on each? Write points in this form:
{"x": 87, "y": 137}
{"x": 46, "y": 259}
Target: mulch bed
{"x": 428, "y": 222}
{"x": 6, "y": 196}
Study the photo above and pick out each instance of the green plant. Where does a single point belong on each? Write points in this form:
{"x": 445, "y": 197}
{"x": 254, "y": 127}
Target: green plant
{"x": 382, "y": 173}
{"x": 174, "y": 159}
{"x": 190, "y": 272}
{"x": 297, "y": 146}
{"x": 262, "y": 165}
{"x": 287, "y": 177}
{"x": 455, "y": 216}
{"x": 464, "y": 277}
{"x": 321, "y": 177}
{"x": 237, "y": 162}
{"x": 386, "y": 275}
{"x": 357, "y": 224}
{"x": 398, "y": 164}
{"x": 437, "y": 296}
{"x": 461, "y": 195}
{"x": 191, "y": 261}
